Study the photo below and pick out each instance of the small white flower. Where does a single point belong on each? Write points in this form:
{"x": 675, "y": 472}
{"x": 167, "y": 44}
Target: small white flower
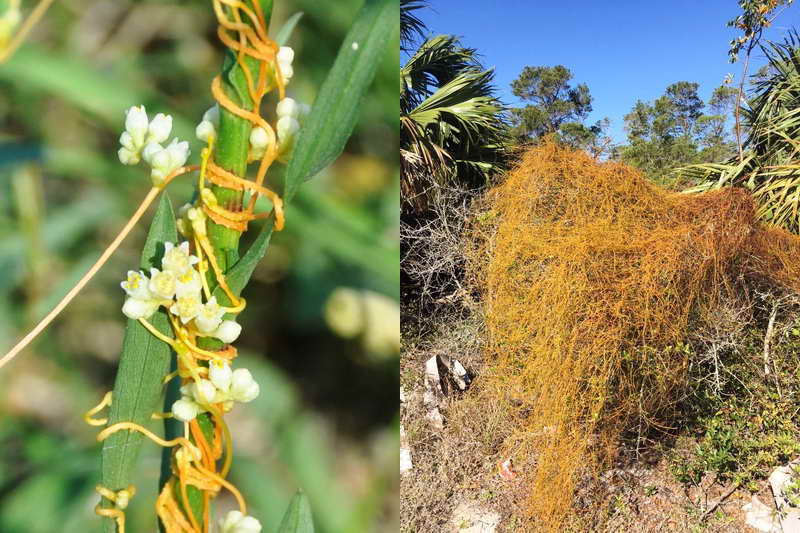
{"x": 135, "y": 308}
{"x": 162, "y": 283}
{"x": 258, "y": 142}
{"x": 287, "y": 127}
{"x": 141, "y": 138}
{"x": 258, "y": 138}
{"x": 135, "y": 285}
{"x": 210, "y": 316}
{"x": 228, "y": 331}
{"x": 126, "y": 157}
{"x": 204, "y": 392}
{"x": 149, "y": 150}
{"x": 205, "y": 131}
{"x": 236, "y": 522}
{"x": 209, "y": 124}
{"x": 285, "y": 57}
{"x": 126, "y": 140}
{"x": 186, "y": 409}
{"x": 159, "y": 129}
{"x": 288, "y": 107}
{"x": 243, "y": 387}
{"x": 189, "y": 282}
{"x": 212, "y": 115}
{"x": 187, "y": 307}
{"x": 220, "y": 374}
{"x": 166, "y": 161}
{"x": 136, "y": 124}
{"x": 177, "y": 259}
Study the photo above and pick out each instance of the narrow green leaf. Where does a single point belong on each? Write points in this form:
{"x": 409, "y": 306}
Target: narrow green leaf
{"x": 333, "y": 116}
{"x": 298, "y": 516}
{"x": 239, "y": 274}
{"x": 144, "y": 362}
{"x": 286, "y": 30}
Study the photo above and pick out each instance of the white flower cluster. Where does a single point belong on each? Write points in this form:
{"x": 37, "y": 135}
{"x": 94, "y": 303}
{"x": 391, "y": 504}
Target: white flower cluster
{"x": 289, "y": 113}
{"x": 143, "y": 138}
{"x": 223, "y": 385}
{"x": 178, "y": 287}
{"x": 236, "y": 522}
{"x": 285, "y": 58}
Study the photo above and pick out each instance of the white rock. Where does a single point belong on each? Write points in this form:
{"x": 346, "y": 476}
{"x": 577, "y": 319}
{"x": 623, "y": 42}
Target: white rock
{"x": 788, "y": 516}
{"x": 469, "y": 517}
{"x": 760, "y": 517}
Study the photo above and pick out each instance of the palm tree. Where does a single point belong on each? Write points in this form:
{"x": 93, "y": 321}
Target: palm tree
{"x": 769, "y": 165}
{"x": 452, "y": 127}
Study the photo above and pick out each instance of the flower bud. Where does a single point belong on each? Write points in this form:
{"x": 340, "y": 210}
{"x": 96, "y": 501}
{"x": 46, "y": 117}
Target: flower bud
{"x": 135, "y": 308}
{"x": 243, "y": 387}
{"x": 127, "y": 157}
{"x": 205, "y": 131}
{"x": 136, "y": 124}
{"x": 236, "y": 522}
{"x": 159, "y": 129}
{"x": 285, "y": 55}
{"x": 258, "y": 138}
{"x": 178, "y": 153}
{"x": 149, "y": 151}
{"x": 228, "y": 331}
{"x": 288, "y": 107}
{"x": 126, "y": 140}
{"x": 204, "y": 391}
{"x": 185, "y": 410}
{"x": 212, "y": 115}
{"x": 287, "y": 127}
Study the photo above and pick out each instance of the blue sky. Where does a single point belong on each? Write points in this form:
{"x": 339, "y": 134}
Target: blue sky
{"x": 623, "y": 50}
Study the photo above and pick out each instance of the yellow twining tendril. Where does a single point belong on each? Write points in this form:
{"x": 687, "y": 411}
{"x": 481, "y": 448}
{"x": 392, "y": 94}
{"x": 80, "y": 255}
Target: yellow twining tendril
{"x": 8, "y": 48}
{"x": 202, "y": 458}
{"x": 105, "y": 402}
{"x": 120, "y": 499}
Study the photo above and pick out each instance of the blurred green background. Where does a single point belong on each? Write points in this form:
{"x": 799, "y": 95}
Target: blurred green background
{"x": 326, "y": 419}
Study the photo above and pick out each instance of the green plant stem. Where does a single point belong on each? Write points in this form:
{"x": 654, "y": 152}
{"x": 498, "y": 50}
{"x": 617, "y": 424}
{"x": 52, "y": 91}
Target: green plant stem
{"x": 233, "y": 144}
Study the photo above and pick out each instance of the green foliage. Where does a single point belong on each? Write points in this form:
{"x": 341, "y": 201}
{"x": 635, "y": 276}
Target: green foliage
{"x": 754, "y": 18}
{"x": 674, "y": 130}
{"x": 741, "y": 424}
{"x": 65, "y": 94}
{"x": 298, "y": 516}
{"x": 337, "y": 106}
{"x": 768, "y": 167}
{"x": 144, "y": 363}
{"x": 452, "y": 127}
{"x": 554, "y": 102}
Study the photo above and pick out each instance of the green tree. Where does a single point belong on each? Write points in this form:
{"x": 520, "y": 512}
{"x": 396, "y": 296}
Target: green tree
{"x": 768, "y": 165}
{"x": 714, "y": 134}
{"x": 554, "y": 103}
{"x": 452, "y": 126}
{"x": 678, "y": 129}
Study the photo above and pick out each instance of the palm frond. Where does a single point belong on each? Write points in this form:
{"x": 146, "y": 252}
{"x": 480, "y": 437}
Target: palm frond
{"x": 411, "y": 26}
{"x": 770, "y": 166}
